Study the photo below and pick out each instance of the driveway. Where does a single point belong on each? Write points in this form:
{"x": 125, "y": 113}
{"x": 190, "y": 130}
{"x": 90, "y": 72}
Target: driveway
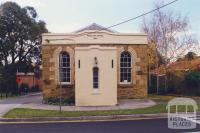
{"x": 11, "y": 103}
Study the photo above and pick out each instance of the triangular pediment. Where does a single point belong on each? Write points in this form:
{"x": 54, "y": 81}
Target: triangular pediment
{"x": 95, "y": 27}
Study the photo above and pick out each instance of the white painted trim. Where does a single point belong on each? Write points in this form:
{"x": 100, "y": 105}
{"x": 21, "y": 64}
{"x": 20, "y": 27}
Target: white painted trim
{"x": 95, "y": 47}
{"x": 66, "y": 83}
{"x": 92, "y": 37}
{"x": 92, "y": 32}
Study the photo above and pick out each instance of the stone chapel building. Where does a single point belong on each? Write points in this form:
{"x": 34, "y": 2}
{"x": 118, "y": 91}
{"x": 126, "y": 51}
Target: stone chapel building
{"x": 95, "y": 65}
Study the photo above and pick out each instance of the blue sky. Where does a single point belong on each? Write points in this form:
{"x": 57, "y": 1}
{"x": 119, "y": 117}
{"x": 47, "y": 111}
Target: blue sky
{"x": 70, "y": 15}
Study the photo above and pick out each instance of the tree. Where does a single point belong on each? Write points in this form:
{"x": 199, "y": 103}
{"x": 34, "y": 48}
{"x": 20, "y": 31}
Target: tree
{"x": 20, "y": 34}
{"x": 155, "y": 58}
{"x": 20, "y": 40}
{"x": 170, "y": 33}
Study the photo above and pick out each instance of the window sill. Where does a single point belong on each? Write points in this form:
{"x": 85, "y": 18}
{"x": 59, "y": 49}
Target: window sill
{"x": 65, "y": 85}
{"x": 125, "y": 85}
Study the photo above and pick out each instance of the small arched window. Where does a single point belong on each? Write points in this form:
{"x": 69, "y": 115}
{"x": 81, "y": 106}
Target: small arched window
{"x": 125, "y": 67}
{"x": 64, "y": 67}
{"x": 95, "y": 77}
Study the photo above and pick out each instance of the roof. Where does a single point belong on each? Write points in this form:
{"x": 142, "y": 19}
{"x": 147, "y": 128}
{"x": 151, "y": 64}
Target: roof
{"x": 94, "y": 26}
{"x": 179, "y": 65}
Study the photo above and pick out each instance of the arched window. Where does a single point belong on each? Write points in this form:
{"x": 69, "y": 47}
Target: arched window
{"x": 95, "y": 77}
{"x": 125, "y": 67}
{"x": 64, "y": 67}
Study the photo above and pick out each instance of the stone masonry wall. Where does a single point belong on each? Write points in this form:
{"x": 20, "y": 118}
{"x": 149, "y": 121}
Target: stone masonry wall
{"x": 138, "y": 87}
{"x": 50, "y": 77}
{"x": 50, "y": 82}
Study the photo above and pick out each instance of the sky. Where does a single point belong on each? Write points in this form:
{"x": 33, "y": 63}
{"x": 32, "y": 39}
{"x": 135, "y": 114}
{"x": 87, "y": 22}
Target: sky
{"x": 63, "y": 16}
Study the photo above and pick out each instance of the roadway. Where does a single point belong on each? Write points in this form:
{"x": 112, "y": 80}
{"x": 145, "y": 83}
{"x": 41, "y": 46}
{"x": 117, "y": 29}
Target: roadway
{"x": 128, "y": 126}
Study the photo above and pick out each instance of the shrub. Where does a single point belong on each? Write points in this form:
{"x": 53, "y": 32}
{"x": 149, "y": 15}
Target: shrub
{"x": 56, "y": 100}
{"x": 175, "y": 81}
{"x": 24, "y": 88}
{"x": 70, "y": 100}
{"x": 35, "y": 89}
{"x": 192, "y": 80}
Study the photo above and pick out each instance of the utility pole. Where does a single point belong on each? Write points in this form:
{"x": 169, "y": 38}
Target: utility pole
{"x": 149, "y": 70}
{"x": 157, "y": 79}
{"x": 60, "y": 88}
{"x": 60, "y": 104}
{"x": 157, "y": 73}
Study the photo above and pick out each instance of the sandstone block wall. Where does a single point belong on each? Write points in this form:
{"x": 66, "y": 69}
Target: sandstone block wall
{"x": 50, "y": 77}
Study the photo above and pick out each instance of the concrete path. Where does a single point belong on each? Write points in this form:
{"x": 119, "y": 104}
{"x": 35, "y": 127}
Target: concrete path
{"x": 123, "y": 104}
{"x": 11, "y": 103}
{"x": 34, "y": 101}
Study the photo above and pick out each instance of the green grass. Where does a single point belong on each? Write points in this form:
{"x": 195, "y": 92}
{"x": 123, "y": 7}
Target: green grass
{"x": 160, "y": 97}
{"x": 166, "y": 98}
{"x": 30, "y": 113}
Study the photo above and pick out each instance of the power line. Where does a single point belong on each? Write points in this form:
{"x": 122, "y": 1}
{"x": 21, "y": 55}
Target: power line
{"x": 125, "y": 21}
{"x": 142, "y": 14}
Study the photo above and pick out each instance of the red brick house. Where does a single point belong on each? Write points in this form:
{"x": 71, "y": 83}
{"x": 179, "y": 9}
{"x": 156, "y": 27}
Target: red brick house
{"x": 28, "y": 78}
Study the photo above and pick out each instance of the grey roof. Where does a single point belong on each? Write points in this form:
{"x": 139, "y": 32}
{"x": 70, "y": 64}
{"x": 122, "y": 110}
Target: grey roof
{"x": 95, "y": 26}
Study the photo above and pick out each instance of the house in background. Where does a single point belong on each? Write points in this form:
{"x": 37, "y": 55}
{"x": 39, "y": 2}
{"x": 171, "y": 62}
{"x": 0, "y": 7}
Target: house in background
{"x": 175, "y": 70}
{"x": 185, "y": 65}
{"x": 95, "y": 65}
{"x": 28, "y": 78}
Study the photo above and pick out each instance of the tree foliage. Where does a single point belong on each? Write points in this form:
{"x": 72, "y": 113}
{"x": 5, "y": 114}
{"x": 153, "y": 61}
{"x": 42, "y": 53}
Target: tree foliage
{"x": 193, "y": 78}
{"x": 170, "y": 32}
{"x": 20, "y": 42}
{"x": 155, "y": 58}
{"x": 20, "y": 34}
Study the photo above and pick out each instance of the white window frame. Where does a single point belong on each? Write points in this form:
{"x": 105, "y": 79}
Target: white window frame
{"x": 125, "y": 82}
{"x": 64, "y": 83}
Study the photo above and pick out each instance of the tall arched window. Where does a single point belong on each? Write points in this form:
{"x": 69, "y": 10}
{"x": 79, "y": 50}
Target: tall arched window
{"x": 125, "y": 67}
{"x": 95, "y": 77}
{"x": 64, "y": 67}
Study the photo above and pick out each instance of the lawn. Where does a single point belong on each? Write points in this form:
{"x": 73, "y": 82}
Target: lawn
{"x": 166, "y": 98}
{"x": 159, "y": 108}
{"x": 31, "y": 113}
